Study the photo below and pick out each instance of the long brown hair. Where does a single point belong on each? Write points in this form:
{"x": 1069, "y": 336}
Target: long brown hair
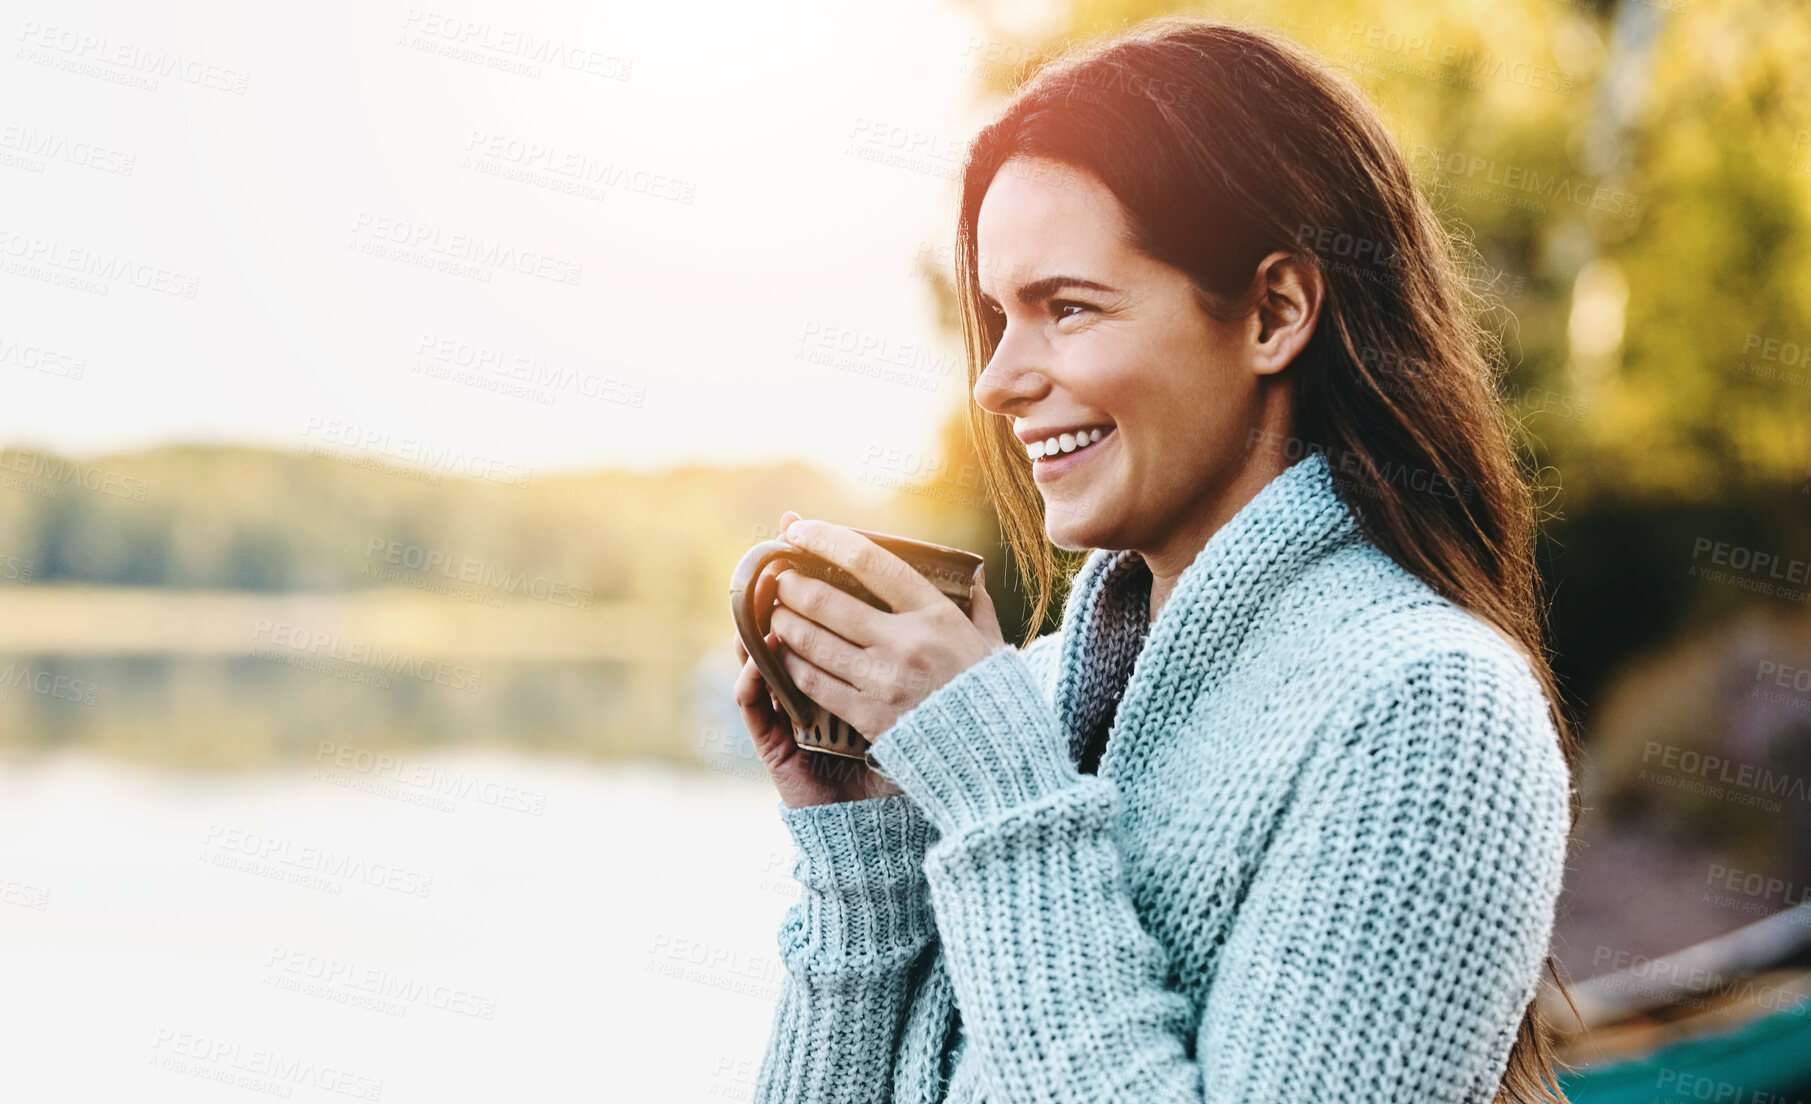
{"x": 1225, "y": 144}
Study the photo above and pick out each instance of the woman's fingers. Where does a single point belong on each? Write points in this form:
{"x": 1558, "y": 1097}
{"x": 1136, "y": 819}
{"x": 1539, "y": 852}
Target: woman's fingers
{"x": 751, "y": 690}
{"x": 767, "y": 583}
{"x": 756, "y": 698}
{"x": 811, "y": 643}
{"x": 767, "y": 591}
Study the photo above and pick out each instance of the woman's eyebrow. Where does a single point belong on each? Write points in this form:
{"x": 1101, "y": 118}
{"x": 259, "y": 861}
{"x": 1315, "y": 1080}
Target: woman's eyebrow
{"x": 1037, "y": 290}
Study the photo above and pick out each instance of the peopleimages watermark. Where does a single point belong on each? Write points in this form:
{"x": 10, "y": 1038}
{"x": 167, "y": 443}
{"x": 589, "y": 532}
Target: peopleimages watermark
{"x": 1518, "y": 185}
{"x": 290, "y": 641}
{"x": 38, "y": 358}
{"x": 22, "y": 895}
{"x": 429, "y": 779}
{"x": 22, "y": 676}
{"x": 904, "y": 147}
{"x": 1455, "y": 61}
{"x": 453, "y": 569}
{"x": 928, "y": 476}
{"x": 939, "y": 491}
{"x": 1329, "y": 242}
{"x": 1771, "y": 358}
{"x": 993, "y": 58}
{"x": 59, "y": 473}
{"x": 1346, "y": 462}
{"x": 1788, "y": 678}
{"x": 730, "y": 969}
{"x": 734, "y": 1078}
{"x": 414, "y": 579}
{"x": 777, "y": 876}
{"x": 1772, "y": 893}
{"x": 306, "y": 865}
{"x": 1675, "y": 982}
{"x": 1539, "y": 400}
{"x": 939, "y": 257}
{"x": 505, "y": 49}
{"x": 517, "y": 374}
{"x": 258, "y": 1069}
{"x": 375, "y": 988}
{"x": 909, "y": 363}
{"x": 566, "y": 170}
{"x": 425, "y": 459}
{"x": 1691, "y": 1084}
{"x": 730, "y": 752}
{"x": 81, "y": 268}
{"x": 1713, "y": 776}
{"x": 459, "y": 254}
{"x": 1762, "y": 572}
{"x": 121, "y": 61}
{"x": 33, "y": 150}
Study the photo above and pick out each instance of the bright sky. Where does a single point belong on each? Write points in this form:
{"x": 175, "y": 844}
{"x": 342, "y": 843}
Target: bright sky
{"x": 340, "y": 189}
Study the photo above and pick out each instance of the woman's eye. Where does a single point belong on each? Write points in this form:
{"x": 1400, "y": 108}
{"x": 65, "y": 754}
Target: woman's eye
{"x": 1059, "y": 305}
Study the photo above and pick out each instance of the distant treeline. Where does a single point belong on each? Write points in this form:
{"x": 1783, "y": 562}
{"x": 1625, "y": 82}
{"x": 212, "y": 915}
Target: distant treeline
{"x": 249, "y": 519}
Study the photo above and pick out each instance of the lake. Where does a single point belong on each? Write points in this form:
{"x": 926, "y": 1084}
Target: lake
{"x": 419, "y": 926}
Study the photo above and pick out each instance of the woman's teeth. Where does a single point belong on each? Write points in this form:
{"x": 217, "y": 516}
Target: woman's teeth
{"x": 1066, "y": 442}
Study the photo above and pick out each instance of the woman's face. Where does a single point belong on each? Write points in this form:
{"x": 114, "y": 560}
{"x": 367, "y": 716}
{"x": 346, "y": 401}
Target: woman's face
{"x": 1099, "y": 335}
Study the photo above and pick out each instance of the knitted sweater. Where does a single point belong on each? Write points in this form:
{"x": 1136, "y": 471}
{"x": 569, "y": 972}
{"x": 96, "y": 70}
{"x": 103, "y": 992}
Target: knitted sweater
{"x": 1319, "y": 860}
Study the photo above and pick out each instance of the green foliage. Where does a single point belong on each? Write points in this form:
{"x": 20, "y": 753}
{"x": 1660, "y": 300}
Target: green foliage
{"x": 234, "y": 518}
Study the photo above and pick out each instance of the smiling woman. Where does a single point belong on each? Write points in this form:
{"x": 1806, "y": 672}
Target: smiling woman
{"x": 1281, "y": 812}
{"x": 1181, "y": 394}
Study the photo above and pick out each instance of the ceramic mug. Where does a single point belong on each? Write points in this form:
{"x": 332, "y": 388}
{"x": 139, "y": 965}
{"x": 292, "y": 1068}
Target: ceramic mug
{"x": 815, "y": 728}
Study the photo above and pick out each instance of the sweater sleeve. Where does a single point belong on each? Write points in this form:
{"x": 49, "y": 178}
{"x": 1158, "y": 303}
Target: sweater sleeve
{"x": 1395, "y": 930}
{"x": 848, "y": 944}
{"x": 1392, "y": 938}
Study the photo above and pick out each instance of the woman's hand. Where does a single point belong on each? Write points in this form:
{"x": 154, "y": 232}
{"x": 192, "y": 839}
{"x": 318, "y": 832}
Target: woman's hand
{"x": 802, "y": 777}
{"x": 866, "y": 665}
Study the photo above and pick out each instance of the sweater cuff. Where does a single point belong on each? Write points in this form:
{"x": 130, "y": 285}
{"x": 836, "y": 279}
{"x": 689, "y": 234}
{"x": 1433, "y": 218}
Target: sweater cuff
{"x": 981, "y": 744}
{"x": 861, "y": 869}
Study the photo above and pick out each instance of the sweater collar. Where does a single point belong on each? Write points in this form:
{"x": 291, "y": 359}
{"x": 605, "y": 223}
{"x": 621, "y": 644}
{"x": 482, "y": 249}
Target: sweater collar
{"x": 1109, "y": 642}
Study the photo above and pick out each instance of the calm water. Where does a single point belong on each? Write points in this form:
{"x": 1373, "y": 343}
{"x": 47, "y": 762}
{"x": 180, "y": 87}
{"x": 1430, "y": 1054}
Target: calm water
{"x": 444, "y": 927}
{"x": 212, "y": 711}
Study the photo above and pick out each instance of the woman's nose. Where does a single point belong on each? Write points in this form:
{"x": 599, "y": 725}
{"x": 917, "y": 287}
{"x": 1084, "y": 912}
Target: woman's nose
{"x": 1009, "y": 381}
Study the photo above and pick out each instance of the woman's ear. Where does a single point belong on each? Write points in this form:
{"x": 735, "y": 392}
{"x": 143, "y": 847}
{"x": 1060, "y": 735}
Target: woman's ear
{"x": 1289, "y": 292}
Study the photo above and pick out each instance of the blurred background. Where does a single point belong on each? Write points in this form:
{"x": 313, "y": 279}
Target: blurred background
{"x": 391, "y": 389}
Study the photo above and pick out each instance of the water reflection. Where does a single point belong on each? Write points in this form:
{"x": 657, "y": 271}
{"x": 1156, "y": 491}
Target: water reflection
{"x": 211, "y": 711}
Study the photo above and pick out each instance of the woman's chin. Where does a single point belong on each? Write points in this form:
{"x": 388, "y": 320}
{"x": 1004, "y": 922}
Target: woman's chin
{"x": 1069, "y": 532}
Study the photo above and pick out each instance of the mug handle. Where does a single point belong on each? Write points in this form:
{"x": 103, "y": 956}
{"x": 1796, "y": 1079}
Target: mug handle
{"x": 748, "y": 625}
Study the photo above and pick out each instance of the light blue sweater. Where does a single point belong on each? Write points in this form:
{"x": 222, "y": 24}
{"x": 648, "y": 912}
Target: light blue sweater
{"x": 1319, "y": 861}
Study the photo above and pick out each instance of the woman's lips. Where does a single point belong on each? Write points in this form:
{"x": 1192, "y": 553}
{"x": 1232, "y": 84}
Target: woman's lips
{"x": 1047, "y": 468}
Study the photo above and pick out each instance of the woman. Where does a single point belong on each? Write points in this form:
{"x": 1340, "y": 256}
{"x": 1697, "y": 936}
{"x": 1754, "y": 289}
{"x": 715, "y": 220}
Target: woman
{"x": 1280, "y": 813}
